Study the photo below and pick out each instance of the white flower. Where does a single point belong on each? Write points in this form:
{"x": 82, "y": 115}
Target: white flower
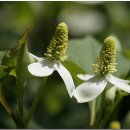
{"x": 95, "y": 84}
{"x": 55, "y": 54}
{"x": 45, "y": 67}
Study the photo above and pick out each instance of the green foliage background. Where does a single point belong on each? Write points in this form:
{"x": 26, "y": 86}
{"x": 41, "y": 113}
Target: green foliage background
{"x": 89, "y": 24}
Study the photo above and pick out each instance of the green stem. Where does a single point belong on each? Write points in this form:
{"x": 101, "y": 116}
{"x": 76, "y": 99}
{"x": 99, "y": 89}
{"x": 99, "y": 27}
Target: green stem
{"x": 117, "y": 102}
{"x": 100, "y": 114}
{"x": 92, "y": 119}
{"x": 109, "y": 114}
{"x": 35, "y": 101}
{"x": 20, "y": 100}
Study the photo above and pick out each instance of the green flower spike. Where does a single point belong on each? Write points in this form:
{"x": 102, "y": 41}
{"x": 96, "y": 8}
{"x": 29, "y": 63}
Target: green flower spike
{"x": 106, "y": 62}
{"x": 58, "y": 45}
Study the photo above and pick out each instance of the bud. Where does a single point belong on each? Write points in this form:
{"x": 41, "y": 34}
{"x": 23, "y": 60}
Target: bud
{"x": 106, "y": 62}
{"x": 58, "y": 45}
{"x": 115, "y": 125}
{"x": 111, "y": 94}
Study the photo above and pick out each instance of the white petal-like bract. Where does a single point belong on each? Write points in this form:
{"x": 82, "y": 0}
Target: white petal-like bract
{"x": 89, "y": 90}
{"x": 67, "y": 78}
{"x": 121, "y": 80}
{"x": 118, "y": 83}
{"x": 35, "y": 57}
{"x": 42, "y": 68}
{"x": 85, "y": 77}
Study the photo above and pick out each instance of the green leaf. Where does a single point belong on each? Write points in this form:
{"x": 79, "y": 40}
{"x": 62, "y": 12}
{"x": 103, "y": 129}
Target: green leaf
{"x": 23, "y": 59}
{"x": 3, "y": 78}
{"x": 74, "y": 70}
{"x": 2, "y": 53}
{"x": 10, "y": 60}
{"x": 123, "y": 65}
{"x": 127, "y": 52}
{"x": 3, "y": 101}
{"x": 10, "y": 57}
{"x": 84, "y": 52}
{"x": 2, "y": 72}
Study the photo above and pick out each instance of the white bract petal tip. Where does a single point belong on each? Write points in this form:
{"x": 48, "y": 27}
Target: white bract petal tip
{"x": 67, "y": 78}
{"x": 35, "y": 57}
{"x": 84, "y": 77}
{"x": 121, "y": 84}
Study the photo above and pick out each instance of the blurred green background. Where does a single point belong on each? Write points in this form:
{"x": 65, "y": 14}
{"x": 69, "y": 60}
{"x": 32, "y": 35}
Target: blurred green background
{"x": 99, "y": 19}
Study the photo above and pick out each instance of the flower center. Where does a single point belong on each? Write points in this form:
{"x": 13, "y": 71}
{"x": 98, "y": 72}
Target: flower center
{"x": 58, "y": 45}
{"x": 106, "y": 62}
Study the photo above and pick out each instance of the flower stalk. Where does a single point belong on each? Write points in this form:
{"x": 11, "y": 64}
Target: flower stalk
{"x": 35, "y": 101}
